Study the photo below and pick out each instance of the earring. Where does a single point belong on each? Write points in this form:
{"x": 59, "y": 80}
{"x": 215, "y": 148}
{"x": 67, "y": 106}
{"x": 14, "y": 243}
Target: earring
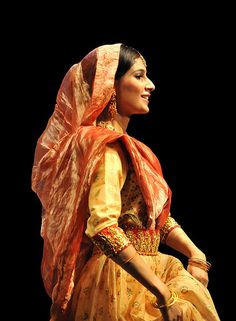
{"x": 112, "y": 110}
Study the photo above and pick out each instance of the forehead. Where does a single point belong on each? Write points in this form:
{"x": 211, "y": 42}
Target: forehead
{"x": 139, "y": 64}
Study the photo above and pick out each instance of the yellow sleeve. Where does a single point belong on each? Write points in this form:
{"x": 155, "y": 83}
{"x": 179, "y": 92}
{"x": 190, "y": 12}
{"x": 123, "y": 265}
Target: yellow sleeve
{"x": 105, "y": 202}
{"x": 169, "y": 225}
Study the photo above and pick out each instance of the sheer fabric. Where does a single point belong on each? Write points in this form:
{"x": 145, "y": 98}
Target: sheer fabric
{"x": 66, "y": 156}
{"x": 107, "y": 292}
{"x": 104, "y": 290}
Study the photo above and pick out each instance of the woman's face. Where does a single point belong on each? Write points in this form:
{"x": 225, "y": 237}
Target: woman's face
{"x": 133, "y": 90}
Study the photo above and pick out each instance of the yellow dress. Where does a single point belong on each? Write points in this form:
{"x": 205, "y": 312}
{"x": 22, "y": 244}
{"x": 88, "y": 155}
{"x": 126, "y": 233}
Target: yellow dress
{"x": 117, "y": 217}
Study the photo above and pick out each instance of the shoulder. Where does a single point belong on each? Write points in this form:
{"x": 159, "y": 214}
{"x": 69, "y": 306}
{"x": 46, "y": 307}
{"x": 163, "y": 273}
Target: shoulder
{"x": 117, "y": 150}
{"x": 116, "y": 156}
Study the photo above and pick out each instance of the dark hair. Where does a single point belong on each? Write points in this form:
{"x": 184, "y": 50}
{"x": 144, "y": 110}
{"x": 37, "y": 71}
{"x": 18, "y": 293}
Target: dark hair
{"x": 126, "y": 60}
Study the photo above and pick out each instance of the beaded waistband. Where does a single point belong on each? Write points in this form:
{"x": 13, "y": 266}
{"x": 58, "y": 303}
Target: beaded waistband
{"x": 146, "y": 242}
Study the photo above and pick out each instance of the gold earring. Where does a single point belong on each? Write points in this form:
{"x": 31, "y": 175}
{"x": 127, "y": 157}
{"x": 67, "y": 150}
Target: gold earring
{"x": 112, "y": 110}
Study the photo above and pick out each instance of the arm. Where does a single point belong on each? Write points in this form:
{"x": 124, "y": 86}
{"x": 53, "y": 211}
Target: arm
{"x": 103, "y": 229}
{"x": 179, "y": 240}
{"x": 133, "y": 263}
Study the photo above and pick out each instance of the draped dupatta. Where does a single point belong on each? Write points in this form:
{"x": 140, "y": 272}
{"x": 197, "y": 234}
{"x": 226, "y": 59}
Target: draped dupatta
{"x": 66, "y": 157}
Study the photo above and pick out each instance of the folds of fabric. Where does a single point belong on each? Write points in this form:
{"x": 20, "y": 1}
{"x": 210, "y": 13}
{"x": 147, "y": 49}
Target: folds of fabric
{"x": 60, "y": 165}
{"x": 65, "y": 181}
{"x": 107, "y": 292}
{"x": 66, "y": 157}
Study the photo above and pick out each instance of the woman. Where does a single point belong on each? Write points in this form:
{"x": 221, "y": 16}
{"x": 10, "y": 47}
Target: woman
{"x": 106, "y": 205}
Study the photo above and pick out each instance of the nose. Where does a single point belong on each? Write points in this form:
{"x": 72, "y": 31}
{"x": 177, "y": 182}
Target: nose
{"x": 150, "y": 85}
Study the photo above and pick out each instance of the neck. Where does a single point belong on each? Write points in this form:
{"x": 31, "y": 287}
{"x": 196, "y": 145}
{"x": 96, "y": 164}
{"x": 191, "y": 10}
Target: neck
{"x": 120, "y": 123}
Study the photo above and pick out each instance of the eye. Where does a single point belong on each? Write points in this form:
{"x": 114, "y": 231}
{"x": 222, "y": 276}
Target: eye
{"x": 138, "y": 76}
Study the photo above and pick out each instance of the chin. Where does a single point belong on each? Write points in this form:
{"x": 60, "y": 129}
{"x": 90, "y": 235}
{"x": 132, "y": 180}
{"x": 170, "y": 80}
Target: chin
{"x": 141, "y": 111}
{"x": 145, "y": 111}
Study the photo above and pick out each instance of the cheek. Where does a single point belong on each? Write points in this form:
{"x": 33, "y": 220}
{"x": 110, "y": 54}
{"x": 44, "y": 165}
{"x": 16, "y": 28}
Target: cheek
{"x": 130, "y": 91}
{"x": 128, "y": 95}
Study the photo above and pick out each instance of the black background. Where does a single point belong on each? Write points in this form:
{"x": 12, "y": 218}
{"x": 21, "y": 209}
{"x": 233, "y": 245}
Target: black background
{"x": 189, "y": 127}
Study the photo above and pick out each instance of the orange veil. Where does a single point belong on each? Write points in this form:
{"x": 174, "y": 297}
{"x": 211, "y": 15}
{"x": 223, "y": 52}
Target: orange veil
{"x": 66, "y": 156}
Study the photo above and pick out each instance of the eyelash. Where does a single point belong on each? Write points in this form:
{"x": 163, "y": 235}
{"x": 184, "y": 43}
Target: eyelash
{"x": 138, "y": 76}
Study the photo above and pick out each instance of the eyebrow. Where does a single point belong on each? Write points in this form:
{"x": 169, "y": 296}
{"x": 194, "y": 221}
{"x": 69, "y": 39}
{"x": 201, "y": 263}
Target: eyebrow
{"x": 140, "y": 69}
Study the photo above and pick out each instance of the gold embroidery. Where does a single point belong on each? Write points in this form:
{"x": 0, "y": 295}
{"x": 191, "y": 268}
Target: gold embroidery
{"x": 146, "y": 242}
{"x": 170, "y": 224}
{"x": 111, "y": 240}
{"x": 106, "y": 125}
{"x": 132, "y": 199}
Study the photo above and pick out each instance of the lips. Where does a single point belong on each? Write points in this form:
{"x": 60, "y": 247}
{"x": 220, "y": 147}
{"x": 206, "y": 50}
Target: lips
{"x": 146, "y": 97}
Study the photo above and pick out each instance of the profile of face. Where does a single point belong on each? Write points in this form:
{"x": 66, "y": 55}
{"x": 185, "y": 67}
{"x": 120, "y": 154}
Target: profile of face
{"x": 133, "y": 90}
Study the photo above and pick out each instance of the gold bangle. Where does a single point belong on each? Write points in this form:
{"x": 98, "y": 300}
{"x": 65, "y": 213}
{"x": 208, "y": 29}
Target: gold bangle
{"x": 196, "y": 259}
{"x": 201, "y": 263}
{"x": 172, "y": 299}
